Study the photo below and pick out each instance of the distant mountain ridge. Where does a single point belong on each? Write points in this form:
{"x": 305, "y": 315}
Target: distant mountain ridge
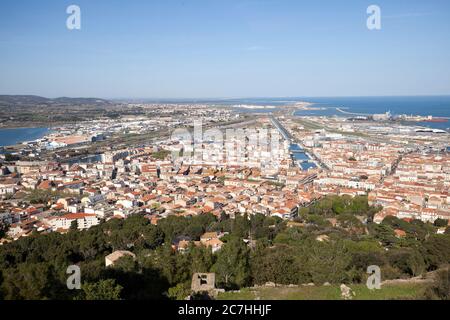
{"x": 28, "y": 100}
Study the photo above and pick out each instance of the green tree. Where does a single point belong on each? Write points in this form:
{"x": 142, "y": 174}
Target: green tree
{"x": 34, "y": 281}
{"x": 279, "y": 264}
{"x": 3, "y": 229}
{"x": 74, "y": 225}
{"x": 440, "y": 289}
{"x": 365, "y": 253}
{"x": 350, "y": 222}
{"x": 327, "y": 261}
{"x": 437, "y": 250}
{"x": 440, "y": 223}
{"x": 193, "y": 227}
{"x": 232, "y": 266}
{"x": 127, "y": 263}
{"x": 291, "y": 236}
{"x": 101, "y": 290}
{"x": 201, "y": 259}
{"x": 407, "y": 260}
{"x": 179, "y": 292}
{"x": 138, "y": 232}
{"x": 241, "y": 226}
{"x": 384, "y": 233}
{"x": 318, "y": 221}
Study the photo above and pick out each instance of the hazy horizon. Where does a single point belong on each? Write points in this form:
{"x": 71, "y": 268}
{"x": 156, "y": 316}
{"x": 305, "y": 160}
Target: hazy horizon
{"x": 238, "y": 48}
{"x": 227, "y": 98}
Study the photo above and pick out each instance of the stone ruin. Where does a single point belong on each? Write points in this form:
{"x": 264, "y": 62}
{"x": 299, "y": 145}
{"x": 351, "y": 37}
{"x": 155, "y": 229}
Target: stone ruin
{"x": 203, "y": 282}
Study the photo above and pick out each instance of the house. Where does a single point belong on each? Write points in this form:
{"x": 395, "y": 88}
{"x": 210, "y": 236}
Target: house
{"x": 21, "y": 229}
{"x": 379, "y": 216}
{"x": 215, "y": 244}
{"x": 400, "y": 233}
{"x": 211, "y": 239}
{"x": 73, "y": 186}
{"x": 8, "y": 186}
{"x": 66, "y": 202}
{"x": 92, "y": 200}
{"x": 84, "y": 221}
{"x": 46, "y": 185}
{"x": 112, "y": 258}
{"x": 183, "y": 245}
{"x": 209, "y": 236}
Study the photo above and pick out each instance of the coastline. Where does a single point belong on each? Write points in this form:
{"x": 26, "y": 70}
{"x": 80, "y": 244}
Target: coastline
{"x": 27, "y": 137}
{"x": 21, "y": 125}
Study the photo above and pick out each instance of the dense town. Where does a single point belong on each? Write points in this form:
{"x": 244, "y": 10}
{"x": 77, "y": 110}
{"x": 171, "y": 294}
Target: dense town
{"x": 405, "y": 172}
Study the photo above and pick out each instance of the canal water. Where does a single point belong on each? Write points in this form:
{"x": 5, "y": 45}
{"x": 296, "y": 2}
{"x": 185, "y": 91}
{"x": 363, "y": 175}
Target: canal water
{"x": 301, "y": 157}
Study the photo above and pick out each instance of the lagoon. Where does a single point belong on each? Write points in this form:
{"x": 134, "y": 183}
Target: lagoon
{"x": 9, "y": 137}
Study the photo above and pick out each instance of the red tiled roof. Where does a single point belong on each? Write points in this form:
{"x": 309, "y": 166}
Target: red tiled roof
{"x": 45, "y": 185}
{"x": 74, "y": 216}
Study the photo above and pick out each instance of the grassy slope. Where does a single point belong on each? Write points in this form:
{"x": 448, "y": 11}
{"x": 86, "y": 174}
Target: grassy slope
{"x": 387, "y": 292}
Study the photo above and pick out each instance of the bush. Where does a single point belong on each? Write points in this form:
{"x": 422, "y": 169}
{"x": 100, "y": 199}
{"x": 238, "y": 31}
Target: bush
{"x": 101, "y": 290}
{"x": 440, "y": 223}
{"x": 440, "y": 289}
{"x": 180, "y": 292}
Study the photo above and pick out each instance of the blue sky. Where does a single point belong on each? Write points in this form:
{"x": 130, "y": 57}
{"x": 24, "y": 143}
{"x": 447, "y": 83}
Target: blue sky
{"x": 224, "y": 48}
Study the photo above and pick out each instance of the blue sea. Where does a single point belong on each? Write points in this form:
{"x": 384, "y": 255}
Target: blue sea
{"x": 437, "y": 106}
{"x": 14, "y": 136}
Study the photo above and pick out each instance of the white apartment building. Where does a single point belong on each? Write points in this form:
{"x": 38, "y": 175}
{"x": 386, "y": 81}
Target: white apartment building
{"x": 84, "y": 220}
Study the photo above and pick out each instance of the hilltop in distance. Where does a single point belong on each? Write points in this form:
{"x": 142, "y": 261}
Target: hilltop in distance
{"x": 32, "y": 100}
